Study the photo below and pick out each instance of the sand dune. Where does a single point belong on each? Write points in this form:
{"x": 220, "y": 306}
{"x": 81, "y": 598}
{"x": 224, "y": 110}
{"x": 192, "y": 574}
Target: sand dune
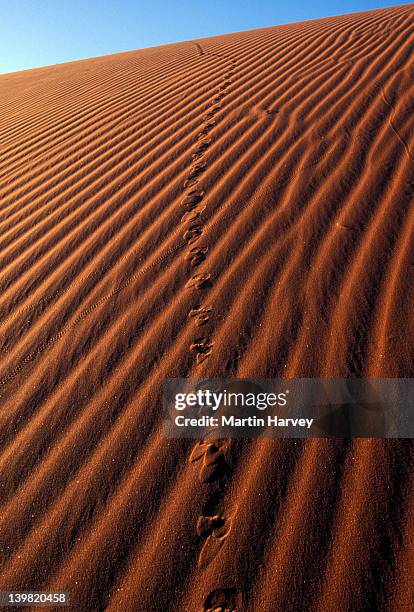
{"x": 240, "y": 205}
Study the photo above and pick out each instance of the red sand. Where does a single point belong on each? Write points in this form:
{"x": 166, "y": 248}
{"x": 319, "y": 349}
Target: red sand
{"x": 239, "y": 205}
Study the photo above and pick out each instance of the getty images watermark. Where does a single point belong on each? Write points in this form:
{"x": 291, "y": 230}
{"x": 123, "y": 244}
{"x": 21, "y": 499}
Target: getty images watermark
{"x": 296, "y": 408}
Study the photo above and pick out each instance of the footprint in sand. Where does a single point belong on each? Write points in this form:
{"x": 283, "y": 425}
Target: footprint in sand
{"x": 227, "y": 599}
{"x": 200, "y": 314}
{"x": 209, "y": 125}
{"x": 217, "y": 526}
{"x": 193, "y": 215}
{"x": 199, "y": 281}
{"x": 193, "y": 234}
{"x": 212, "y": 525}
{"x": 202, "y": 447}
{"x": 215, "y": 463}
{"x": 192, "y": 199}
{"x": 203, "y": 145}
{"x": 196, "y": 170}
{"x": 202, "y": 347}
{"x": 196, "y": 255}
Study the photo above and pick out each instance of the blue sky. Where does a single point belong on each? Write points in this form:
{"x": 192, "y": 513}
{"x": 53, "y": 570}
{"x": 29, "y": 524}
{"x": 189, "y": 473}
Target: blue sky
{"x": 43, "y": 32}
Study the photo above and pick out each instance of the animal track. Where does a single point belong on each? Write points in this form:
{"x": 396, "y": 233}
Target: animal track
{"x": 215, "y": 463}
{"x": 196, "y": 255}
{"x": 203, "y": 145}
{"x": 192, "y": 199}
{"x": 217, "y": 526}
{"x": 196, "y": 170}
{"x": 202, "y": 348}
{"x": 201, "y": 314}
{"x": 218, "y": 97}
{"x": 213, "y": 527}
{"x": 213, "y": 455}
{"x": 227, "y": 599}
{"x": 394, "y": 128}
{"x": 192, "y": 234}
{"x": 199, "y": 281}
{"x": 193, "y": 215}
{"x": 208, "y": 126}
